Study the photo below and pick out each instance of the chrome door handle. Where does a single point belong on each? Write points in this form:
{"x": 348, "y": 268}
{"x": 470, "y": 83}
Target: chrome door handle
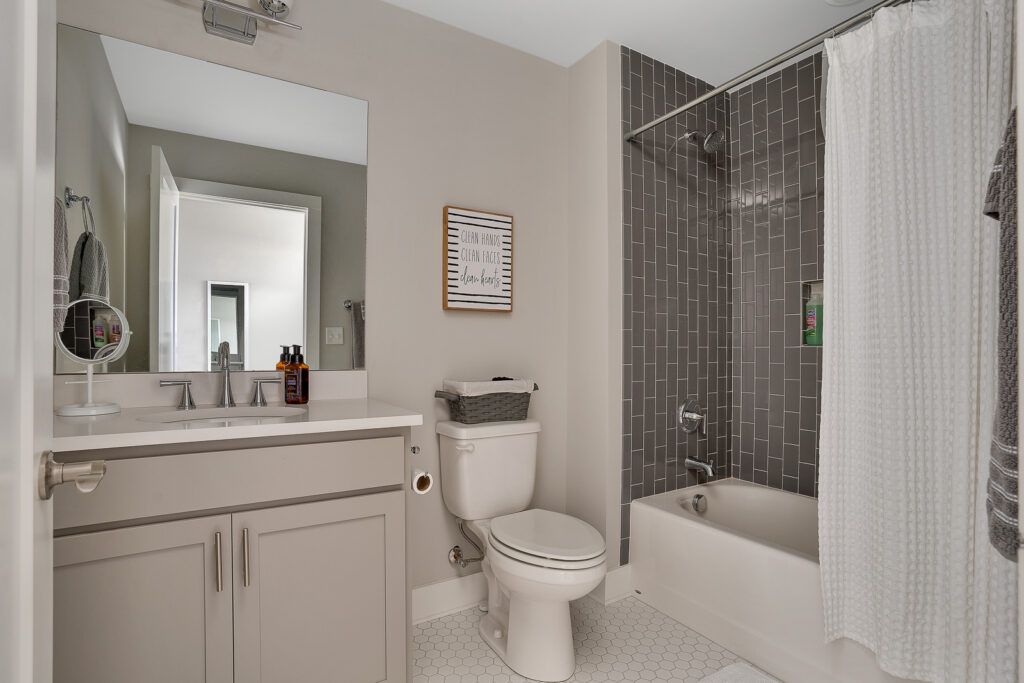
{"x": 86, "y": 475}
{"x": 220, "y": 563}
{"x": 245, "y": 558}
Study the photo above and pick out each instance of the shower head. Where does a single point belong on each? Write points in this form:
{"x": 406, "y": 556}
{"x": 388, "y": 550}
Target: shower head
{"x": 712, "y": 143}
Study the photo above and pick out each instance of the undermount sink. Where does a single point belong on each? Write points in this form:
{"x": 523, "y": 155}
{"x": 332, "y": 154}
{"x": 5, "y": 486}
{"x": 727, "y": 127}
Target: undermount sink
{"x": 226, "y": 417}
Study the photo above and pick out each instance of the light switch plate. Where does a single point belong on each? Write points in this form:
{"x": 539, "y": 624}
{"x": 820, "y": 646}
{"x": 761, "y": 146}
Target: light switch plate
{"x": 335, "y": 335}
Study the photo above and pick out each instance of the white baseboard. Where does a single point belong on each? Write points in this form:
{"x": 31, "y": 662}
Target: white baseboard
{"x": 447, "y": 597}
{"x": 617, "y": 584}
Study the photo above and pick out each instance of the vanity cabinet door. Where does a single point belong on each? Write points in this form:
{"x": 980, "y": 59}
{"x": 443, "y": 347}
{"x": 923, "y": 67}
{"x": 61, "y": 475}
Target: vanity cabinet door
{"x": 321, "y": 596}
{"x": 143, "y": 604}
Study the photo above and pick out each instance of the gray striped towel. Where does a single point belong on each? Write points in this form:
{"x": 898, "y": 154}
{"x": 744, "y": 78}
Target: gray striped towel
{"x": 358, "y": 335}
{"x": 1001, "y": 203}
{"x": 60, "y": 265}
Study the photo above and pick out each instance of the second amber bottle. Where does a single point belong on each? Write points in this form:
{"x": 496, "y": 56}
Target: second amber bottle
{"x": 296, "y": 378}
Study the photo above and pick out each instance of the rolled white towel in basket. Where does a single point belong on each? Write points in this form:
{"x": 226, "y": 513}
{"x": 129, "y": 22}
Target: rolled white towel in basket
{"x": 506, "y": 386}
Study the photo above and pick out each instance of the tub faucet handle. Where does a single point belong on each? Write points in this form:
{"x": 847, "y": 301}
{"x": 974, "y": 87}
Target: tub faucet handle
{"x": 692, "y": 418}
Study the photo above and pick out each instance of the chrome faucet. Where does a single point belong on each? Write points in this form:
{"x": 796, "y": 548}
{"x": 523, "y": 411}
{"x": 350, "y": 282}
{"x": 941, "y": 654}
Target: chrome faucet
{"x": 699, "y": 465}
{"x": 227, "y": 399}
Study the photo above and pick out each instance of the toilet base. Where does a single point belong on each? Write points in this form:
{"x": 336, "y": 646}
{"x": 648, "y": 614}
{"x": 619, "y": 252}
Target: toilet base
{"x": 542, "y": 648}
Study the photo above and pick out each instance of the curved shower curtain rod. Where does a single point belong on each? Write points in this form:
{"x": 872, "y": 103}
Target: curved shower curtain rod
{"x": 765, "y": 66}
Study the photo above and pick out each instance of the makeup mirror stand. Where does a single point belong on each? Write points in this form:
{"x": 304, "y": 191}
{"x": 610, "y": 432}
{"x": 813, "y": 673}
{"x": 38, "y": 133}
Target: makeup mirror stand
{"x": 92, "y": 408}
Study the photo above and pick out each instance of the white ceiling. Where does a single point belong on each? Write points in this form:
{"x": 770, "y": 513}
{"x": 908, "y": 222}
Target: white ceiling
{"x": 164, "y": 90}
{"x": 712, "y": 39}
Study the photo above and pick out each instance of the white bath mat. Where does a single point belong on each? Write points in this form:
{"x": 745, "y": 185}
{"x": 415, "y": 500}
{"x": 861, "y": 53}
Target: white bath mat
{"x": 741, "y": 672}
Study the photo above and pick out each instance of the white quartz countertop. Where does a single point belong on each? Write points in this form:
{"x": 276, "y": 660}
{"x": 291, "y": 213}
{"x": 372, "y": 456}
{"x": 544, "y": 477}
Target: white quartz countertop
{"x": 133, "y": 426}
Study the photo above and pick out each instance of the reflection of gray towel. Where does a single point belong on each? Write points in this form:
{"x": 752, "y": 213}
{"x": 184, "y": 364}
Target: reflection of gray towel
{"x": 89, "y": 262}
{"x": 60, "y": 265}
{"x": 358, "y": 335}
{"x": 1001, "y": 203}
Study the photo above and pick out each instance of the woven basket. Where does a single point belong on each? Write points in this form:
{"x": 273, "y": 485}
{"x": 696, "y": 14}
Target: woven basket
{"x": 498, "y": 407}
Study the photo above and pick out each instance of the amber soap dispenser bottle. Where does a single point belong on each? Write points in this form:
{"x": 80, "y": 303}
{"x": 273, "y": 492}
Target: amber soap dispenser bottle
{"x": 296, "y": 378}
{"x": 282, "y": 362}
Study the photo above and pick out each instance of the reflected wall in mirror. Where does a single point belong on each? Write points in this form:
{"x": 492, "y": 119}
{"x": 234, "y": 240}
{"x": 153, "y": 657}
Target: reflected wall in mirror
{"x": 231, "y": 206}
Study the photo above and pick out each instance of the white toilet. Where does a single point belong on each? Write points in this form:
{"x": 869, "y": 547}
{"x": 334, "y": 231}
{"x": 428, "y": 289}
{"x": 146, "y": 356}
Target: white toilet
{"x": 535, "y": 561}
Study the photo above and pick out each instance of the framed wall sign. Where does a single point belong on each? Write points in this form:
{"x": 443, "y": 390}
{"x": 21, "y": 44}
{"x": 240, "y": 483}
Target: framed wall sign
{"x": 477, "y": 260}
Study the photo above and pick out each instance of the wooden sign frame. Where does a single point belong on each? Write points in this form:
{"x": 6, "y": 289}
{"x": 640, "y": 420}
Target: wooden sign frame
{"x": 477, "y": 250}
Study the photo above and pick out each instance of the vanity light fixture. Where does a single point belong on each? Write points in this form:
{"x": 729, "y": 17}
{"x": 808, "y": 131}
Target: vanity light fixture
{"x": 275, "y": 8}
{"x": 239, "y": 23}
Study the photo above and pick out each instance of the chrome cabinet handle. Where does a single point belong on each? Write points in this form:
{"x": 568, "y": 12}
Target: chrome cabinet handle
{"x": 86, "y": 476}
{"x": 245, "y": 557}
{"x": 220, "y": 564}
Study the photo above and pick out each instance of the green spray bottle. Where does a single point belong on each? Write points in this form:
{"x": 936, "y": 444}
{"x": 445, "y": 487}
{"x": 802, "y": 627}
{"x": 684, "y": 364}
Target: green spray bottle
{"x": 812, "y": 317}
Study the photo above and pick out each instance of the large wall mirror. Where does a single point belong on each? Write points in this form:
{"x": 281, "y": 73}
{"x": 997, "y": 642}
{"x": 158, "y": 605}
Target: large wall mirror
{"x": 230, "y": 207}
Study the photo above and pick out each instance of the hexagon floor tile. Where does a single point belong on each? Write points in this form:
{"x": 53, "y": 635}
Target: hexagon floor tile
{"x": 624, "y": 641}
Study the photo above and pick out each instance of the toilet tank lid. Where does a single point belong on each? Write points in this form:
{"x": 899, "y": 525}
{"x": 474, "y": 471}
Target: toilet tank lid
{"x": 484, "y": 430}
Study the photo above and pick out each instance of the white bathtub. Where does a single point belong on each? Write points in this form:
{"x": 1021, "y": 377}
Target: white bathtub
{"x": 745, "y": 574}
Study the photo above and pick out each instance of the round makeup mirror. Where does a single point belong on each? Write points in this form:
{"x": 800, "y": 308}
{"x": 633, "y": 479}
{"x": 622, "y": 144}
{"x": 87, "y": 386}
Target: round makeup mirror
{"x": 94, "y": 333}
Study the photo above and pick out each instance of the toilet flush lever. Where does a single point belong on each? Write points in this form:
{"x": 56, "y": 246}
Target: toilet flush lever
{"x": 465, "y": 447}
{"x": 85, "y": 475}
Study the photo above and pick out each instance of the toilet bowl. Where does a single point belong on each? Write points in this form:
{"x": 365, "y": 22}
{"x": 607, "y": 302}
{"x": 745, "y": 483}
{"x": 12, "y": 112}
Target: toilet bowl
{"x": 530, "y": 585}
{"x": 535, "y": 561}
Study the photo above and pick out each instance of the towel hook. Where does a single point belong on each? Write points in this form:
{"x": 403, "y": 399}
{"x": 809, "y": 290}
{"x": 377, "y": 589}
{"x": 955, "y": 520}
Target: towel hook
{"x": 70, "y": 197}
{"x": 88, "y": 222}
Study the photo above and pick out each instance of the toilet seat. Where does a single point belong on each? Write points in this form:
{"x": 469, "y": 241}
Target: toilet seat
{"x": 547, "y": 539}
{"x": 542, "y": 562}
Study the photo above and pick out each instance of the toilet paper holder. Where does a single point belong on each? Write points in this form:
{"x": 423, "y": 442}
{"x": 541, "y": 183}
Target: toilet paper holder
{"x": 421, "y": 482}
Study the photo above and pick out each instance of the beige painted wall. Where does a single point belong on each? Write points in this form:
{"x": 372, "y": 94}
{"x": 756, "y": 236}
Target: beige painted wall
{"x": 341, "y": 187}
{"x": 594, "y": 360}
{"x": 91, "y": 133}
{"x": 454, "y": 118}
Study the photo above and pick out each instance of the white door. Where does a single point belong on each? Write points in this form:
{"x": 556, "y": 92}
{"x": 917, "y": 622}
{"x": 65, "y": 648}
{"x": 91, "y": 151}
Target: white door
{"x": 164, "y": 200}
{"x": 27, "y": 93}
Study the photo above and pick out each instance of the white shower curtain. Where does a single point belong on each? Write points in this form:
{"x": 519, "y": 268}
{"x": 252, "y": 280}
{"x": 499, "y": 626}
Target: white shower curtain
{"x": 917, "y": 100}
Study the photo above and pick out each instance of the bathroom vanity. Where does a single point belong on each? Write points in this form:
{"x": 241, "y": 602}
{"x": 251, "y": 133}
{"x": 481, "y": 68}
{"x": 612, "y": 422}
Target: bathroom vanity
{"x": 225, "y": 542}
{"x": 234, "y": 549}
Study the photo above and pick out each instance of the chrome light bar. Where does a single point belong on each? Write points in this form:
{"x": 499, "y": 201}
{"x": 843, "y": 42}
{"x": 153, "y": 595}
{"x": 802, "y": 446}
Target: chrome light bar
{"x": 237, "y": 22}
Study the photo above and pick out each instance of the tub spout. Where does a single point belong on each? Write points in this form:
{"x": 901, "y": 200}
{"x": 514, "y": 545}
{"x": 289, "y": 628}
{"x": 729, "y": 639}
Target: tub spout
{"x": 705, "y": 467}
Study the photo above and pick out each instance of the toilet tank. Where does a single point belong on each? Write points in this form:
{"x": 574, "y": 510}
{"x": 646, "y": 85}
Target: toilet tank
{"x": 488, "y": 469}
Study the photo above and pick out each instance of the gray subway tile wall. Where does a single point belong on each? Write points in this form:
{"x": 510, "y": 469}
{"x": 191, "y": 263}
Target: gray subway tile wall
{"x": 677, "y": 312}
{"x": 776, "y": 191}
{"x": 716, "y": 250}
